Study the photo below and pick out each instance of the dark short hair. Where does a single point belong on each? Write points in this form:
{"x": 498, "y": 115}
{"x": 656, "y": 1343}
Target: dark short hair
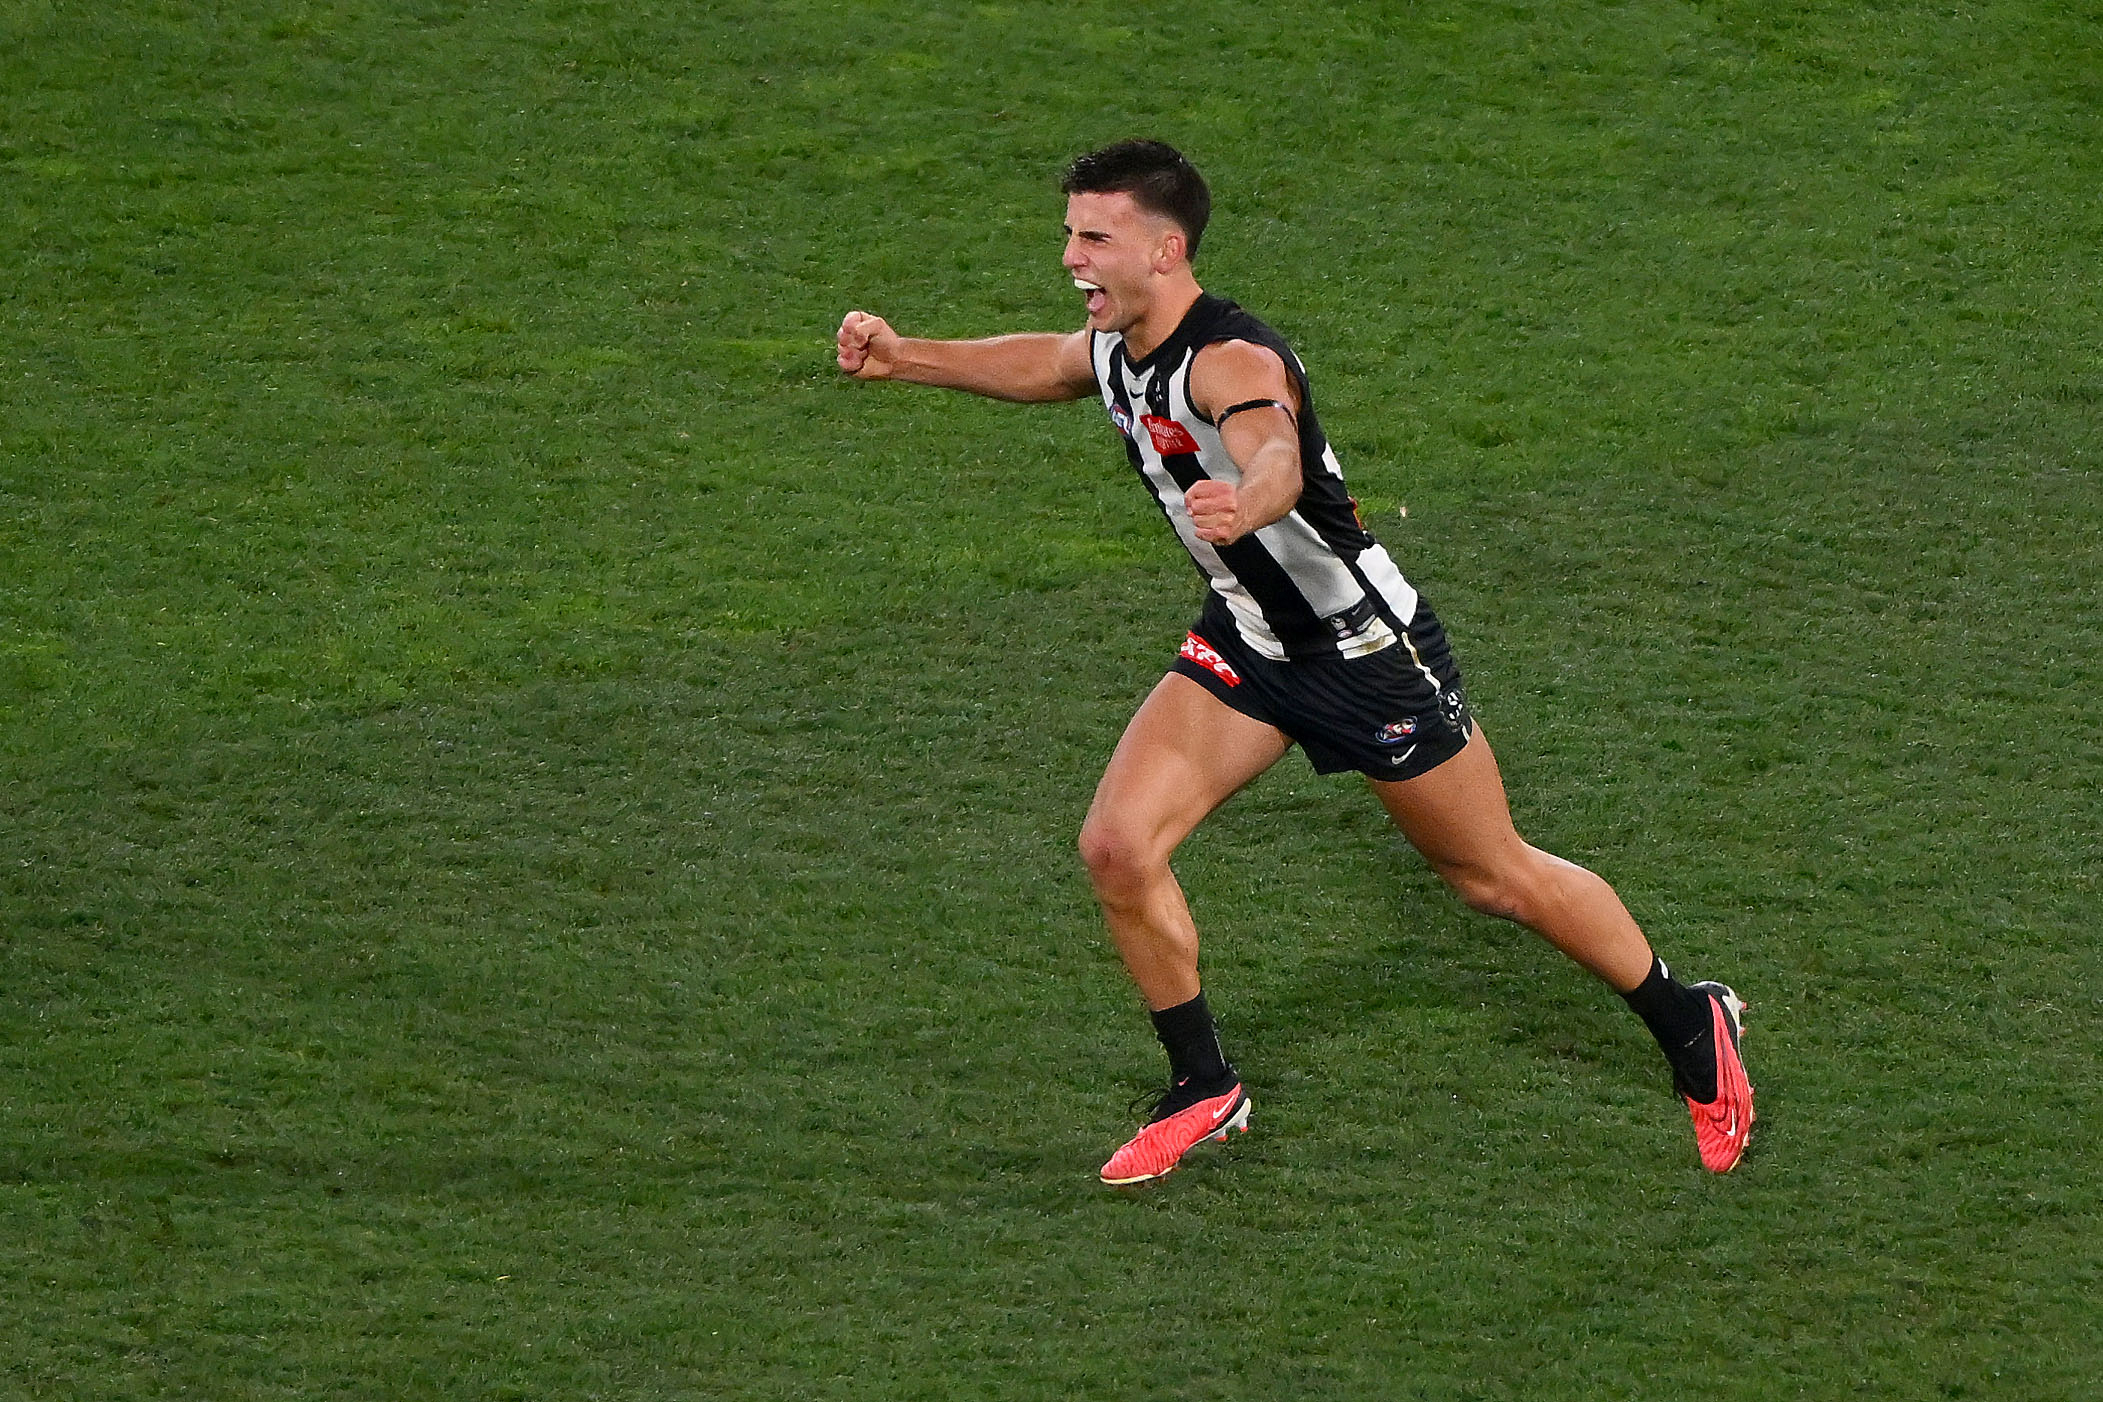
{"x": 1154, "y": 174}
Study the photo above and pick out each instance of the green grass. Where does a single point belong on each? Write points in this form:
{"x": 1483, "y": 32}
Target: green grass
{"x": 537, "y": 850}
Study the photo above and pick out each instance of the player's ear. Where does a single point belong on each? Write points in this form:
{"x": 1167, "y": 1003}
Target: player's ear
{"x": 1175, "y": 247}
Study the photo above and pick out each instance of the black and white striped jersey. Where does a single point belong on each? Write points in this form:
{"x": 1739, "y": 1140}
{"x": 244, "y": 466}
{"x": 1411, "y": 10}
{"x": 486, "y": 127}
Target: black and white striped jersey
{"x": 1314, "y": 583}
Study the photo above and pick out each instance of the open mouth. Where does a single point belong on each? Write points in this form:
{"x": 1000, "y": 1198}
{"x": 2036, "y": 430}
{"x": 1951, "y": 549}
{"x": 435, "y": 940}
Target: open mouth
{"x": 1092, "y": 294}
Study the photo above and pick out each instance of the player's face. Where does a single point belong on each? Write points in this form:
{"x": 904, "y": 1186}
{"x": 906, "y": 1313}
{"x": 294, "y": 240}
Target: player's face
{"x": 1113, "y": 250}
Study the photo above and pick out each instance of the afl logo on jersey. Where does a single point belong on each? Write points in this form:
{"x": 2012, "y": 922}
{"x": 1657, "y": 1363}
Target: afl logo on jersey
{"x": 1395, "y": 734}
{"x": 1170, "y": 438}
{"x": 1122, "y": 419}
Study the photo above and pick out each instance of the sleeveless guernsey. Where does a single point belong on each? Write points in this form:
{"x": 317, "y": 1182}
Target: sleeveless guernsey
{"x": 1312, "y": 584}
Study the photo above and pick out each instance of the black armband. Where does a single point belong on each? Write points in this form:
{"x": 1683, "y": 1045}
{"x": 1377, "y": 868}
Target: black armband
{"x": 1232, "y": 409}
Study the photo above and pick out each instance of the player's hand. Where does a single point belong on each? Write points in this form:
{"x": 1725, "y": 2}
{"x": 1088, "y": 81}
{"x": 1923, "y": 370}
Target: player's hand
{"x": 868, "y": 346}
{"x": 1215, "y": 510}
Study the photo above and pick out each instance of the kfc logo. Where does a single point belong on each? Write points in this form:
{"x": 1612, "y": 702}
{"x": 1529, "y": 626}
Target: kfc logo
{"x": 1196, "y": 649}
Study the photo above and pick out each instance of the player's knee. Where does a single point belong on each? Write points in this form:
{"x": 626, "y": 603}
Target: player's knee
{"x": 1117, "y": 860}
{"x": 1505, "y": 893}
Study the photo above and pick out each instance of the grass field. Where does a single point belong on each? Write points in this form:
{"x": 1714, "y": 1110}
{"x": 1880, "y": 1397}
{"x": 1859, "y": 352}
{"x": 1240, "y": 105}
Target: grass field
{"x": 538, "y": 818}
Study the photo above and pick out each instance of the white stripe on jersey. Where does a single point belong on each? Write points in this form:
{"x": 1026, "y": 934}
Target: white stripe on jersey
{"x": 1399, "y": 594}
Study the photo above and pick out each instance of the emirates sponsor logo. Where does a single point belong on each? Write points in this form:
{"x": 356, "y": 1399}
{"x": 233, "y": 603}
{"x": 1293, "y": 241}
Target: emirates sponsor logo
{"x": 1170, "y": 438}
{"x": 1196, "y": 649}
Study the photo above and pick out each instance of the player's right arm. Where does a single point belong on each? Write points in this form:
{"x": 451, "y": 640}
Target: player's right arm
{"x": 1030, "y": 369}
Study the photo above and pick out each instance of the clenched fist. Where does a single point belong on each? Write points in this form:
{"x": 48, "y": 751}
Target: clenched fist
{"x": 868, "y": 346}
{"x": 1215, "y": 510}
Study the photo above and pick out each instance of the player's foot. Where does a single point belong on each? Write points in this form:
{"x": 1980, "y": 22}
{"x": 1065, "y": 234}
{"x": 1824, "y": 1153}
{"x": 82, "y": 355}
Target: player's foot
{"x": 1723, "y": 1126}
{"x": 1184, "y": 1119}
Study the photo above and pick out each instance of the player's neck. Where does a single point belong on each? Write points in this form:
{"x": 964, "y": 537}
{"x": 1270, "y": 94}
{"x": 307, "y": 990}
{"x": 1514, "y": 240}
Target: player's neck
{"x": 1165, "y": 312}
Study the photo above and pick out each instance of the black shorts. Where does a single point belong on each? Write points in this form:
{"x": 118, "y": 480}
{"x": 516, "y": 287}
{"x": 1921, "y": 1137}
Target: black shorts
{"x": 1391, "y": 714}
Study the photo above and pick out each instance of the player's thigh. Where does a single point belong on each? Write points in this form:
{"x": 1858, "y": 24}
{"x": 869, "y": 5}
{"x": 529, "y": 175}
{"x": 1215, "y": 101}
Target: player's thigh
{"x": 1457, "y": 815}
{"x": 1184, "y": 753}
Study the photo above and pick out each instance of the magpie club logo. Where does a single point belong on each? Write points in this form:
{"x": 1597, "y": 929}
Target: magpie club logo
{"x": 1454, "y": 707}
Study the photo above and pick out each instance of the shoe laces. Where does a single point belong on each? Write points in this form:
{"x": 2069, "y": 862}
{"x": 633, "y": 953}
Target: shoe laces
{"x": 1178, "y": 1095}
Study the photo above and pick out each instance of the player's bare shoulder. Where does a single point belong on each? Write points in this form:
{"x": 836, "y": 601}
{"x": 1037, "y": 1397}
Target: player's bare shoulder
{"x": 1077, "y": 363}
{"x": 1231, "y": 372}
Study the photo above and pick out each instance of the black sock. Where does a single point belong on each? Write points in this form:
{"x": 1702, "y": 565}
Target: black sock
{"x": 1680, "y": 1018}
{"x": 1194, "y": 1053}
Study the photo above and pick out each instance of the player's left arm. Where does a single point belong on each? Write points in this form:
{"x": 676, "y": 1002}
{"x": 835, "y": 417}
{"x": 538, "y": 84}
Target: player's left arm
{"x": 1248, "y": 384}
